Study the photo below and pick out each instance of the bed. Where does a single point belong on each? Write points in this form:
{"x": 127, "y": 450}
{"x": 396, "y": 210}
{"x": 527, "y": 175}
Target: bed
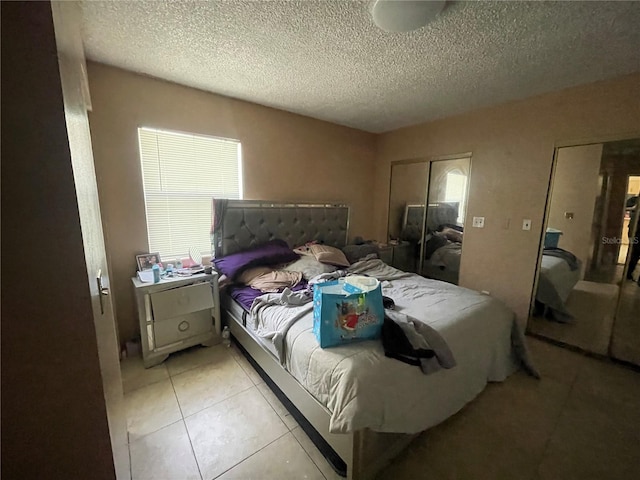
{"x": 366, "y": 406}
{"x": 558, "y": 276}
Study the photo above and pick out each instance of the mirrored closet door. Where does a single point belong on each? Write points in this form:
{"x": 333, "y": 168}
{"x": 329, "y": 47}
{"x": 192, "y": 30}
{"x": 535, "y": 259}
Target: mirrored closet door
{"x": 406, "y": 212}
{"x": 587, "y": 294}
{"x": 427, "y": 207}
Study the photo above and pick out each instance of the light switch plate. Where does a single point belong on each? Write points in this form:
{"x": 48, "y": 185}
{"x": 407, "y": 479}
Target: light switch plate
{"x": 526, "y": 224}
{"x": 478, "y": 222}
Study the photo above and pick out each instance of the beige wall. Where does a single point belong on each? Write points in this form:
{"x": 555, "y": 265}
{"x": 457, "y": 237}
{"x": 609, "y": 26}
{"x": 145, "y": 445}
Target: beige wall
{"x": 512, "y": 145}
{"x": 285, "y": 157}
{"x": 576, "y": 186}
{"x": 54, "y": 423}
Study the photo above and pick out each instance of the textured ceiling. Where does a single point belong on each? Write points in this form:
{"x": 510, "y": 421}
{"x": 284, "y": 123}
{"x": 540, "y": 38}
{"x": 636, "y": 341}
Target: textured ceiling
{"x": 327, "y": 60}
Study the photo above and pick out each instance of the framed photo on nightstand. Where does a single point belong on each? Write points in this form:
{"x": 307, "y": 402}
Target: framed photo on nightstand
{"x": 147, "y": 261}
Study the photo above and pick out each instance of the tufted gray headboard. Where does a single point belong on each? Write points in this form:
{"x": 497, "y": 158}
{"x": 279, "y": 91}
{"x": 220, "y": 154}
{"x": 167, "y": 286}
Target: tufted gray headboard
{"x": 250, "y": 222}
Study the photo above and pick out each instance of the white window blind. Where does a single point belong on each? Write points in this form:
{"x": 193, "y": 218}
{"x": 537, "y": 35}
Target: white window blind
{"x": 181, "y": 173}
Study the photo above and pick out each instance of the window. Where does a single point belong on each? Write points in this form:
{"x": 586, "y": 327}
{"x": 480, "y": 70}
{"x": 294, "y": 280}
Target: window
{"x": 456, "y": 191}
{"x": 181, "y": 173}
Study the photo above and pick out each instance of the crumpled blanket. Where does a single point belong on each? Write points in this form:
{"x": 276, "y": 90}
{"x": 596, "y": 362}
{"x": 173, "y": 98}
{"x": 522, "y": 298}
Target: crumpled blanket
{"x": 288, "y": 307}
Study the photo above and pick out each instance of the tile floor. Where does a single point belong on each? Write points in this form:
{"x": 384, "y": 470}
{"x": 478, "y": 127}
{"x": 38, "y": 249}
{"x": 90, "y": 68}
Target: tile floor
{"x": 205, "y": 414}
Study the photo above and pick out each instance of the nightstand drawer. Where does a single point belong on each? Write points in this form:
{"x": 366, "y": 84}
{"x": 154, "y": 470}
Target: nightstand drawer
{"x": 176, "y": 314}
{"x": 180, "y": 301}
{"x": 175, "y": 329}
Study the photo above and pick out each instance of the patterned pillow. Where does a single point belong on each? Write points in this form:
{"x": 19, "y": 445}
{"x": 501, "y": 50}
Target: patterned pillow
{"x": 330, "y": 255}
{"x": 309, "y": 267}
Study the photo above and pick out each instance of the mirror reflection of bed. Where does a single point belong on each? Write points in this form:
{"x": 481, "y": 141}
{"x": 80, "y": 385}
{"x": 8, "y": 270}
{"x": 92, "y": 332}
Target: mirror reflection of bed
{"x": 583, "y": 298}
{"x": 430, "y": 244}
{"x": 442, "y": 239}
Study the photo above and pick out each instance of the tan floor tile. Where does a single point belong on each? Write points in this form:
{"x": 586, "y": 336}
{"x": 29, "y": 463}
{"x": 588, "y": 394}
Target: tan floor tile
{"x": 462, "y": 449}
{"x": 165, "y": 454}
{"x": 204, "y": 386}
{"x": 625, "y": 344}
{"x": 225, "y": 434}
{"x": 196, "y": 356}
{"x": 556, "y": 362}
{"x": 410, "y": 464}
{"x": 134, "y": 375}
{"x": 610, "y": 381}
{"x": 500, "y": 435}
{"x": 246, "y": 366}
{"x": 470, "y": 450}
{"x": 595, "y": 440}
{"x": 315, "y": 454}
{"x": 150, "y": 408}
{"x": 281, "y": 460}
{"x": 520, "y": 404}
{"x": 282, "y": 412}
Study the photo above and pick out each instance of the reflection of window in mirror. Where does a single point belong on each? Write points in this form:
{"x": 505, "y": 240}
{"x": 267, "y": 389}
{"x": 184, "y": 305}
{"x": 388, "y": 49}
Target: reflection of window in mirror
{"x": 456, "y": 191}
{"x": 448, "y": 185}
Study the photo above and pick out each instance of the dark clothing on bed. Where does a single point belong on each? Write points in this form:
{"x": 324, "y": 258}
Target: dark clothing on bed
{"x": 411, "y": 341}
{"x": 397, "y": 345}
{"x": 569, "y": 257}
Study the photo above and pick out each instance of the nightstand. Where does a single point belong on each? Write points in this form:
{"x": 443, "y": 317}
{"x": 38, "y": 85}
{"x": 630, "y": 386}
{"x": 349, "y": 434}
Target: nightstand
{"x": 405, "y": 255}
{"x": 386, "y": 254}
{"x": 177, "y": 313}
{"x": 400, "y": 255}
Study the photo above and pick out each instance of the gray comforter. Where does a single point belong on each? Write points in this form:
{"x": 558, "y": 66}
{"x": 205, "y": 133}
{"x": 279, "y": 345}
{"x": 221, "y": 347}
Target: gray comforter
{"x": 361, "y": 388}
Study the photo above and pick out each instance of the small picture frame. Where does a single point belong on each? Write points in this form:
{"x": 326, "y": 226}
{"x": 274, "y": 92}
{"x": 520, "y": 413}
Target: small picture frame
{"x": 147, "y": 261}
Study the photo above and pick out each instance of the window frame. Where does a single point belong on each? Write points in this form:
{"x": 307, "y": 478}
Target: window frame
{"x": 182, "y": 194}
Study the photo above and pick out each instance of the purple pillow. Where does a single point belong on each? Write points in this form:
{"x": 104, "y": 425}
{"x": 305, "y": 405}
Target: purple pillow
{"x": 272, "y": 252}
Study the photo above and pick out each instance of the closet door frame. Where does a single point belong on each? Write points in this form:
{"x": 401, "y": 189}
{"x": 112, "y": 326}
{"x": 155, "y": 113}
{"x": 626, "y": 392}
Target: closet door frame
{"x": 429, "y": 161}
